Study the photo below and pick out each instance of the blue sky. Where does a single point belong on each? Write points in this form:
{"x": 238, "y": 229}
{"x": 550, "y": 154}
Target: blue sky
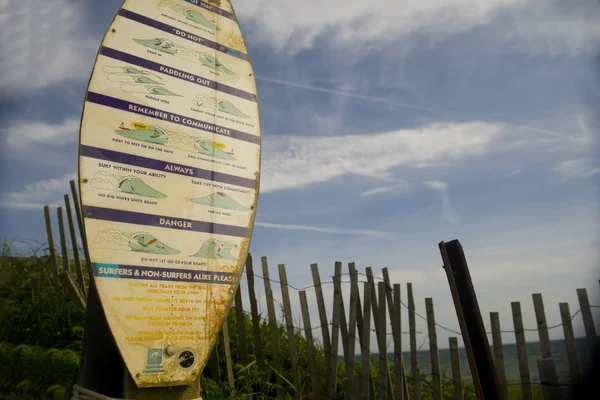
{"x": 387, "y": 127}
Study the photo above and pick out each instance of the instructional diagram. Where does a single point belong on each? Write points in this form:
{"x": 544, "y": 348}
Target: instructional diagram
{"x": 157, "y": 135}
{"x": 125, "y": 184}
{"x": 210, "y": 103}
{"x": 220, "y": 200}
{"x": 189, "y": 12}
{"x": 134, "y": 80}
{"x": 167, "y": 46}
{"x": 217, "y": 250}
{"x": 143, "y": 242}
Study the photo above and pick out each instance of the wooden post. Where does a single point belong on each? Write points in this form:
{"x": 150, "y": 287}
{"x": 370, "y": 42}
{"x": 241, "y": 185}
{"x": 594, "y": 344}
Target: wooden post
{"x": 63, "y": 240}
{"x": 549, "y": 379}
{"x": 241, "y": 327}
{"x": 400, "y": 371}
{"x": 77, "y": 206}
{"x": 540, "y": 316}
{"x": 76, "y": 256}
{"x": 258, "y": 346}
{"x": 499, "y": 353}
{"x": 51, "y": 249}
{"x": 433, "y": 350}
{"x": 312, "y": 366}
{"x": 365, "y": 345}
{"x": 289, "y": 323}
{"x": 354, "y": 300}
{"x": 565, "y": 316}
{"x": 228, "y": 360}
{"x": 473, "y": 332}
{"x": 322, "y": 313}
{"x": 416, "y": 380}
{"x": 588, "y": 320}
{"x": 343, "y": 322}
{"x": 273, "y": 327}
{"x": 382, "y": 341}
{"x": 335, "y": 325}
{"x": 456, "y": 375}
{"x": 394, "y": 309}
{"x": 546, "y": 348}
{"x": 359, "y": 319}
{"x": 521, "y": 351}
{"x": 412, "y": 326}
{"x": 213, "y": 362}
{"x": 375, "y": 310}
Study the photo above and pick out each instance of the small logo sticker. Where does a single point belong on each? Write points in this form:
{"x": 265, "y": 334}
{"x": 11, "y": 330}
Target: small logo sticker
{"x": 154, "y": 362}
{"x": 186, "y": 359}
{"x": 154, "y": 356}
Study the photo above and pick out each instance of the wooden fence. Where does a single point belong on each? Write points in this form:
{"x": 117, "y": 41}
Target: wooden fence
{"x": 360, "y": 322}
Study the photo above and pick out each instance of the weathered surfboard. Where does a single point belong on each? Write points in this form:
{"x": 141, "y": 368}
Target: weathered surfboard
{"x": 169, "y": 169}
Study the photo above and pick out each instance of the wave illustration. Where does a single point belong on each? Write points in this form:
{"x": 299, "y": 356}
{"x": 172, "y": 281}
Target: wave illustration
{"x": 220, "y": 200}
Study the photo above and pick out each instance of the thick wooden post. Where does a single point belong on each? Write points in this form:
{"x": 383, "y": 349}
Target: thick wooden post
{"x": 473, "y": 332}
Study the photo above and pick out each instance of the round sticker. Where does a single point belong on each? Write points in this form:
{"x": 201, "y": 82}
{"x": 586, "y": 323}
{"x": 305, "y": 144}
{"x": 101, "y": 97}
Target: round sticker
{"x": 186, "y": 359}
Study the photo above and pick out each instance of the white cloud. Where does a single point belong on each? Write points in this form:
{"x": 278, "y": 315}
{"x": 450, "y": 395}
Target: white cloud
{"x": 296, "y": 25}
{"x": 36, "y": 195}
{"x": 399, "y": 188}
{"x": 442, "y": 188}
{"x": 576, "y": 169}
{"x": 25, "y": 134}
{"x": 295, "y": 161}
{"x": 43, "y": 43}
{"x": 537, "y": 26}
{"x": 550, "y": 27}
{"x": 344, "y": 231}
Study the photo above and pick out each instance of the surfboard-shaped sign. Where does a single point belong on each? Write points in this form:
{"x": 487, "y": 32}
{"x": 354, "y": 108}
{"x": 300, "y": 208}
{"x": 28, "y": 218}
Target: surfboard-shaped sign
{"x": 169, "y": 168}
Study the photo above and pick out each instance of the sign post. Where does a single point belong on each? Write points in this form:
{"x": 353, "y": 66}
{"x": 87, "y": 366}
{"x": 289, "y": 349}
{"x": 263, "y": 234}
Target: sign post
{"x": 169, "y": 171}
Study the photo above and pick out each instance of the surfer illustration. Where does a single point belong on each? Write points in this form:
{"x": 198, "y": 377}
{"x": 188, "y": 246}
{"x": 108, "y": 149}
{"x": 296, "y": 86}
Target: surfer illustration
{"x": 191, "y": 13}
{"x": 169, "y": 47}
{"x": 143, "y": 242}
{"x": 136, "y": 81}
{"x": 216, "y": 249}
{"x": 130, "y": 184}
{"x": 156, "y": 135}
{"x": 213, "y": 104}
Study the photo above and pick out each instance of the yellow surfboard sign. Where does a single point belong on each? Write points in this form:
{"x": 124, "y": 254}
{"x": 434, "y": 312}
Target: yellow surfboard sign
{"x": 166, "y": 260}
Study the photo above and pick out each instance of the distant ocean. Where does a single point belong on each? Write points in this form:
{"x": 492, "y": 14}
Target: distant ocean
{"x": 511, "y": 362}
